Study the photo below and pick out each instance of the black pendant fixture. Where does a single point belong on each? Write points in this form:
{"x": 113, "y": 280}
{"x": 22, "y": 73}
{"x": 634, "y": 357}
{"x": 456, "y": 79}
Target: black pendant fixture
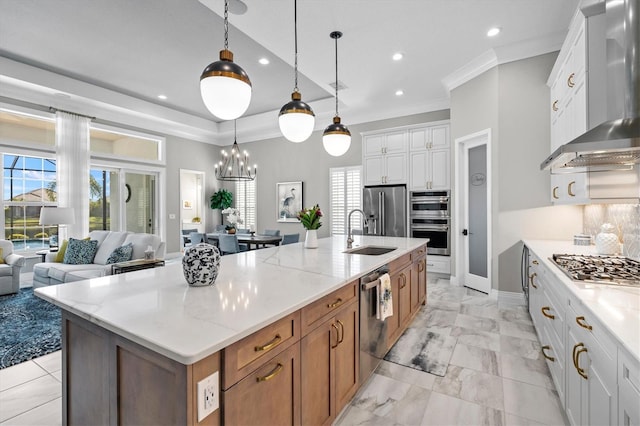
{"x": 336, "y": 138}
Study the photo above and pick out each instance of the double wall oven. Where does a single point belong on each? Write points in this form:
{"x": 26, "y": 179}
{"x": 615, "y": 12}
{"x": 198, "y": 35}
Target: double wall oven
{"x": 430, "y": 217}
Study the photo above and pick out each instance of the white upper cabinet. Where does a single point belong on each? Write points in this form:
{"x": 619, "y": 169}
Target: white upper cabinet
{"x": 385, "y": 158}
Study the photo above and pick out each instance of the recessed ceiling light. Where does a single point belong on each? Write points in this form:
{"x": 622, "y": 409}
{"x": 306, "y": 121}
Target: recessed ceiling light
{"x": 163, "y": 97}
{"x": 493, "y": 32}
{"x": 399, "y": 93}
{"x": 263, "y": 61}
{"x": 397, "y": 56}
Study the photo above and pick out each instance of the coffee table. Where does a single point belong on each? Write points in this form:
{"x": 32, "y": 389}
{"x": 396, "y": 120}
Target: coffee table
{"x": 135, "y": 265}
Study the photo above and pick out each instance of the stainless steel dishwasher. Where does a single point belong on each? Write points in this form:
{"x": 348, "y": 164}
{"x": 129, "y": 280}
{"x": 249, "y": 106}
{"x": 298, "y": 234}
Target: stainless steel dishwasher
{"x": 373, "y": 332}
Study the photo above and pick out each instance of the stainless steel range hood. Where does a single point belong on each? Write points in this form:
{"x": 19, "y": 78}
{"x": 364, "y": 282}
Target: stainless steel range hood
{"x": 616, "y": 142}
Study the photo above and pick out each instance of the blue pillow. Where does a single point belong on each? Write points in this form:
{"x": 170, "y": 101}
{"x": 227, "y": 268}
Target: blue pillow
{"x": 121, "y": 254}
{"x": 80, "y": 252}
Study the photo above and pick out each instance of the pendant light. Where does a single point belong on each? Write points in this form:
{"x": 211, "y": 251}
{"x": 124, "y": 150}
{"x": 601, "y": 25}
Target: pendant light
{"x": 235, "y": 166}
{"x": 296, "y": 118}
{"x": 224, "y": 86}
{"x": 336, "y": 137}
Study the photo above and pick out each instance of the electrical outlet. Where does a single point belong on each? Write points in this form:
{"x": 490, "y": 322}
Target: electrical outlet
{"x": 172, "y": 216}
{"x": 208, "y": 396}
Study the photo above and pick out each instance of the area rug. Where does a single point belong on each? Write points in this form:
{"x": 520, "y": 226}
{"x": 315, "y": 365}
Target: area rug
{"x": 423, "y": 349}
{"x": 29, "y": 327}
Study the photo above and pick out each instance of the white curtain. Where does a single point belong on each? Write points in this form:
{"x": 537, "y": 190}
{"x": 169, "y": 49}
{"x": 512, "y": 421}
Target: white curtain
{"x": 72, "y": 165}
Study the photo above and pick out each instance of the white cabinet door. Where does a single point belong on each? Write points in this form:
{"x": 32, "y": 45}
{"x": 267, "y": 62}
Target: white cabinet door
{"x": 628, "y": 389}
{"x": 418, "y": 169}
{"x": 374, "y": 170}
{"x": 396, "y": 142}
{"x": 372, "y": 145}
{"x": 440, "y": 169}
{"x": 570, "y": 188}
{"x": 439, "y": 137}
{"x": 396, "y": 168}
{"x": 418, "y": 139}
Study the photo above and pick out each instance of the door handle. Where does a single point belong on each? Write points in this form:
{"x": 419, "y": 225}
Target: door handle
{"x": 465, "y": 232}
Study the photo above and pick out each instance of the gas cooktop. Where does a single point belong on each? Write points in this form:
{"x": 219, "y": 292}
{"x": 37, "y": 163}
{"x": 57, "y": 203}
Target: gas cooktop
{"x": 614, "y": 270}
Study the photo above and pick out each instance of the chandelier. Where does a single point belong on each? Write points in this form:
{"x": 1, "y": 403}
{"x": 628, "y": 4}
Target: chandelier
{"x": 234, "y": 166}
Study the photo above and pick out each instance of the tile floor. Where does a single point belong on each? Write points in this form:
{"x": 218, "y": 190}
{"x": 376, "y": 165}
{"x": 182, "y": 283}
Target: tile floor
{"x": 495, "y": 375}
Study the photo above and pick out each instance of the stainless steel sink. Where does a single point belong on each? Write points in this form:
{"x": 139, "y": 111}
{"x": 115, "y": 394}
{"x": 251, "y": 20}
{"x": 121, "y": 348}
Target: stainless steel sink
{"x": 370, "y": 250}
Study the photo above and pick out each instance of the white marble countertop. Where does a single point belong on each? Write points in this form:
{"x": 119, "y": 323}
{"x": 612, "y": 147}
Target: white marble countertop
{"x": 617, "y": 307}
{"x": 157, "y": 309}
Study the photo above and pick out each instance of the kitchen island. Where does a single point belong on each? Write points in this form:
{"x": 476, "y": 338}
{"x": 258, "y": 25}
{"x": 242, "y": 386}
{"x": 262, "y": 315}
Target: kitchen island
{"x": 147, "y": 332}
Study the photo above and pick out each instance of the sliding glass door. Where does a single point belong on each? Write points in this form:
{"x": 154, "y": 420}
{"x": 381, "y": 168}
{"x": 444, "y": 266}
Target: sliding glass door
{"x": 140, "y": 202}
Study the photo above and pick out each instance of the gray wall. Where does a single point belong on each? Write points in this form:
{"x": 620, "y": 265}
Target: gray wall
{"x": 513, "y": 101}
{"x": 279, "y": 160}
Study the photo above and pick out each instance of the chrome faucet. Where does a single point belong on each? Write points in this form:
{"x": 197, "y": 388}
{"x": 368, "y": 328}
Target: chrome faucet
{"x": 349, "y": 236}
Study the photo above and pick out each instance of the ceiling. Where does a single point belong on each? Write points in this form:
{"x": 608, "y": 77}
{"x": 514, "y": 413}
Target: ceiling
{"x": 112, "y": 58}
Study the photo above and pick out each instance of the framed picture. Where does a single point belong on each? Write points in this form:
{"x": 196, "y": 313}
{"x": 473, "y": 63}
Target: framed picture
{"x": 186, "y": 204}
{"x": 289, "y": 201}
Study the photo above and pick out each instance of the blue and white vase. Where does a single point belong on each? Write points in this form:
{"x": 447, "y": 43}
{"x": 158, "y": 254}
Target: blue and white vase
{"x": 201, "y": 264}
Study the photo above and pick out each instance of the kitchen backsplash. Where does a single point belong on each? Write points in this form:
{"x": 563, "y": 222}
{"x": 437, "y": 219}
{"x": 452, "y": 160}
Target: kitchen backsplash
{"x": 624, "y": 217}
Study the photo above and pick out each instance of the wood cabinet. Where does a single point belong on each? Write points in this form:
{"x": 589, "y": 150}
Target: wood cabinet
{"x": 330, "y": 353}
{"x": 418, "y": 278}
{"x": 418, "y": 155}
{"x": 402, "y": 275}
{"x": 269, "y": 395}
{"x": 591, "y": 379}
{"x": 111, "y": 380}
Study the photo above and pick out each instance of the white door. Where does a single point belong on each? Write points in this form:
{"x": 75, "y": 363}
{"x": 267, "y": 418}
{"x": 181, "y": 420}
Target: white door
{"x": 474, "y": 211}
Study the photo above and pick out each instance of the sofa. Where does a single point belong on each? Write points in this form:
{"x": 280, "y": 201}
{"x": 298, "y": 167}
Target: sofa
{"x": 53, "y": 272}
{"x": 10, "y": 266}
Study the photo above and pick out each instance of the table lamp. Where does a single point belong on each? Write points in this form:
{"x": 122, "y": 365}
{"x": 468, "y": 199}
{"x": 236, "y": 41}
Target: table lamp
{"x": 56, "y": 216}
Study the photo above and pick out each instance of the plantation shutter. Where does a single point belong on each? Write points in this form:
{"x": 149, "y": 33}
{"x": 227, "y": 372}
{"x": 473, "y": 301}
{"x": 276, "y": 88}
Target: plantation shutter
{"x": 246, "y": 202}
{"x": 346, "y": 195}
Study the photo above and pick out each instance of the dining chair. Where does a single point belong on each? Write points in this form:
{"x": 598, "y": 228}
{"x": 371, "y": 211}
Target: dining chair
{"x": 228, "y": 243}
{"x": 197, "y": 238}
{"x": 271, "y": 232}
{"x": 220, "y": 228}
{"x": 290, "y": 238}
{"x": 185, "y": 236}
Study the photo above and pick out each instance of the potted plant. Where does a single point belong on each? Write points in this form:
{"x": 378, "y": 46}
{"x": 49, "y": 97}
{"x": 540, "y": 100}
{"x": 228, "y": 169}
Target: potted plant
{"x": 221, "y": 199}
{"x": 310, "y": 219}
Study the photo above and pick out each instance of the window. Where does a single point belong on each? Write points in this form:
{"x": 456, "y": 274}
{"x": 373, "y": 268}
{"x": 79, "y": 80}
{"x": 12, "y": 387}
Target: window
{"x": 245, "y": 198}
{"x": 346, "y": 195}
{"x": 110, "y": 142}
{"x": 29, "y": 183}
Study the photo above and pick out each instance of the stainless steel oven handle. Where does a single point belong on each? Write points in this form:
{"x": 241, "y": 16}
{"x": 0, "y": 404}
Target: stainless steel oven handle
{"x": 430, "y": 228}
{"x": 424, "y": 200}
{"x": 369, "y": 286}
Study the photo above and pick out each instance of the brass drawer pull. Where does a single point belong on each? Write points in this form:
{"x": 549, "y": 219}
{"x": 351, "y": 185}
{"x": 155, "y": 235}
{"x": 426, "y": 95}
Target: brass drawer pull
{"x": 550, "y": 358}
{"x": 421, "y": 266}
{"x": 341, "y": 332}
{"x": 404, "y": 280}
{"x": 554, "y": 106}
{"x": 271, "y": 375}
{"x": 334, "y": 304}
{"x": 544, "y": 310}
{"x": 531, "y": 280}
{"x": 570, "y": 82}
{"x": 555, "y": 193}
{"x": 337, "y": 336}
{"x": 535, "y": 262}
{"x": 577, "y": 350}
{"x": 570, "y": 188}
{"x": 275, "y": 342}
{"x": 582, "y": 323}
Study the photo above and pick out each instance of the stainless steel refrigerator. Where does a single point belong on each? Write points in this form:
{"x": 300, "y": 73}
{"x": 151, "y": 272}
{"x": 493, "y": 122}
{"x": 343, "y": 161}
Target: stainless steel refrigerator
{"x": 385, "y": 208}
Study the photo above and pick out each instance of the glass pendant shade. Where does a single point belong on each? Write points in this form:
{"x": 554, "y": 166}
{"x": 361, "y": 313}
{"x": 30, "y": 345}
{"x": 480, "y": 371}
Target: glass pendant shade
{"x": 336, "y": 138}
{"x": 225, "y": 88}
{"x": 296, "y": 119}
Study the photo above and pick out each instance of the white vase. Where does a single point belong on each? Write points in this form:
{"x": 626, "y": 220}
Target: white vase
{"x": 311, "y": 239}
{"x": 201, "y": 264}
{"x": 607, "y": 241}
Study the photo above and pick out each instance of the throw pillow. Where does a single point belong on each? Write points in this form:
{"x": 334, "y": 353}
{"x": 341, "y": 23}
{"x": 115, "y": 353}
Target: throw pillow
{"x": 80, "y": 252}
{"x": 121, "y": 254}
{"x": 61, "y": 250}
{"x": 1, "y": 257}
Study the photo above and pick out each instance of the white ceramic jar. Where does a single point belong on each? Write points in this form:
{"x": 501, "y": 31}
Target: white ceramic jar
{"x": 607, "y": 241}
{"x": 200, "y": 264}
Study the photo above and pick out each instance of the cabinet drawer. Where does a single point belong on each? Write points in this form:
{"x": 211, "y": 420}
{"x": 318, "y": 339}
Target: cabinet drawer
{"x": 553, "y": 353}
{"x": 328, "y": 304}
{"x": 269, "y": 395}
{"x": 244, "y": 356}
{"x": 418, "y": 253}
{"x": 399, "y": 263}
{"x": 628, "y": 389}
{"x": 438, "y": 264}
{"x": 553, "y": 314}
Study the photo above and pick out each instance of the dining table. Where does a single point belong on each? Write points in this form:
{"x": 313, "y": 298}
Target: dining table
{"x": 251, "y": 240}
